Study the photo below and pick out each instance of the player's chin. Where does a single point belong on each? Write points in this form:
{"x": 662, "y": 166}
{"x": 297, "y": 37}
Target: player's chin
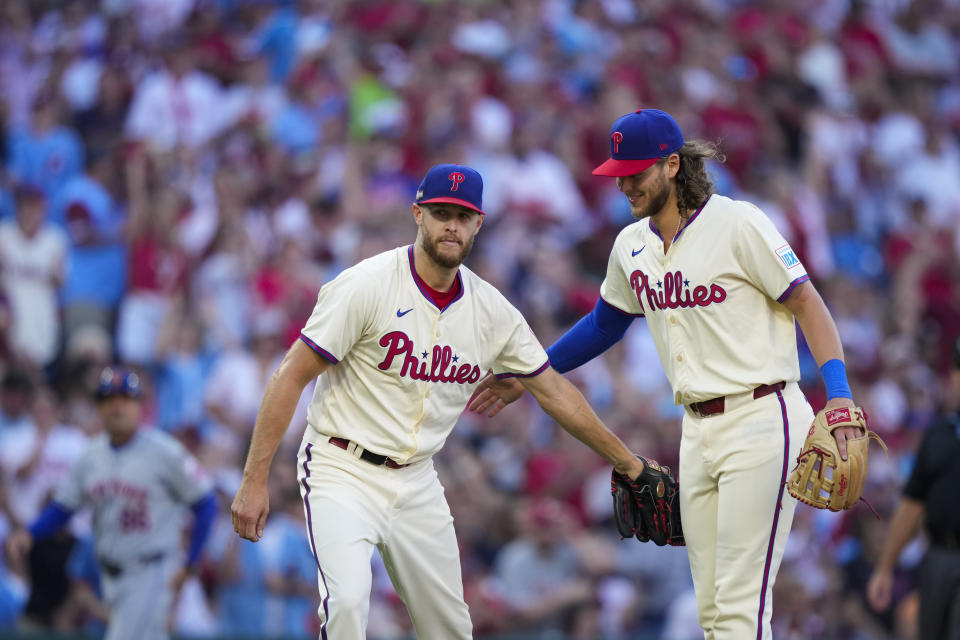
{"x": 448, "y": 262}
{"x": 450, "y": 255}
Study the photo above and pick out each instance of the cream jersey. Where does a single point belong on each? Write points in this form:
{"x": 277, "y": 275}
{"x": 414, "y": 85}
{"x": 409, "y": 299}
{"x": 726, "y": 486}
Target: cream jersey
{"x": 713, "y": 302}
{"x": 405, "y": 369}
{"x": 28, "y": 268}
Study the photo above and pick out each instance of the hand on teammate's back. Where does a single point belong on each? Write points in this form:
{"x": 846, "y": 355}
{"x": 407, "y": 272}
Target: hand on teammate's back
{"x": 492, "y": 394}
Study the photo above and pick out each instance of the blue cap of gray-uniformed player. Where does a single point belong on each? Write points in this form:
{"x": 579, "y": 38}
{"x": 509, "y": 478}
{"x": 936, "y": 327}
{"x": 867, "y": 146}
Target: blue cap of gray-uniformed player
{"x": 118, "y": 381}
{"x": 452, "y": 184}
{"x": 638, "y": 140}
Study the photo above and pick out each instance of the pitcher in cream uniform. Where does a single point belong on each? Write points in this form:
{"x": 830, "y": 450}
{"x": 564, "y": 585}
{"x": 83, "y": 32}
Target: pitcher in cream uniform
{"x": 400, "y": 342}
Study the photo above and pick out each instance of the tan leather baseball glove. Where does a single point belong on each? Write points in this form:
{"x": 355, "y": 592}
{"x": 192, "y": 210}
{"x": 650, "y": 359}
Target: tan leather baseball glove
{"x": 821, "y": 478}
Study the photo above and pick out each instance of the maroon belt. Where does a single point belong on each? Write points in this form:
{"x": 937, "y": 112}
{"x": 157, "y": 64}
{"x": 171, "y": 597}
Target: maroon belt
{"x": 367, "y": 456}
{"x": 715, "y": 405}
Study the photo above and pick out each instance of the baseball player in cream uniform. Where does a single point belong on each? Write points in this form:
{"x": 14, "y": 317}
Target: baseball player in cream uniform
{"x": 400, "y": 342}
{"x": 720, "y": 289}
{"x": 733, "y": 464}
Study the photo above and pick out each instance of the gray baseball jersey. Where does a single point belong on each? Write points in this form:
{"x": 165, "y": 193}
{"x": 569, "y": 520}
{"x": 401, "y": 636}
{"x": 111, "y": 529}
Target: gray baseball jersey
{"x": 137, "y": 492}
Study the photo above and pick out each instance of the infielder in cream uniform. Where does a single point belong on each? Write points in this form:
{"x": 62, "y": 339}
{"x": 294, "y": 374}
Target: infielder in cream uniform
{"x": 720, "y": 288}
{"x": 401, "y": 340}
{"x": 713, "y": 305}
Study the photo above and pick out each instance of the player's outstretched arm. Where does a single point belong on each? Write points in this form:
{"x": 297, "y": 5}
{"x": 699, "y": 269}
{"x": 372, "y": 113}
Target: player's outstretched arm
{"x": 251, "y": 504}
{"x": 564, "y": 403}
{"x": 492, "y": 394}
{"x": 823, "y": 339}
{"x": 592, "y": 335}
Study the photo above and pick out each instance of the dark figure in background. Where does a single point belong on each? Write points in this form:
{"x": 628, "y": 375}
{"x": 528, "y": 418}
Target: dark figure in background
{"x": 930, "y": 499}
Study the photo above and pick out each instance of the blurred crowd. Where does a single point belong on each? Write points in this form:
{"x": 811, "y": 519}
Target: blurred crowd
{"x": 179, "y": 177}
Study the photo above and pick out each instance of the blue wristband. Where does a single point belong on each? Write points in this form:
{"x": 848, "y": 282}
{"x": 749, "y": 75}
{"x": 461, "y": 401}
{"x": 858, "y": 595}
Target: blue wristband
{"x": 834, "y": 374}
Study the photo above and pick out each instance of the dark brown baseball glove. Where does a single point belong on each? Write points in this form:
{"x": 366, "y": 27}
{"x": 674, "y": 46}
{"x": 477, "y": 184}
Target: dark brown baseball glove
{"x": 648, "y": 507}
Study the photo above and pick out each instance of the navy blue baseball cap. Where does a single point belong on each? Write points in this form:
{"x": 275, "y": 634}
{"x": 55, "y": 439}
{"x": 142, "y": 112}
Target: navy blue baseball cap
{"x": 452, "y": 184}
{"x": 638, "y": 140}
{"x": 118, "y": 381}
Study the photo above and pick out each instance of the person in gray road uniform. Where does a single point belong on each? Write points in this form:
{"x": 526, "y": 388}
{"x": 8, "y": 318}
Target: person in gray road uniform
{"x": 137, "y": 482}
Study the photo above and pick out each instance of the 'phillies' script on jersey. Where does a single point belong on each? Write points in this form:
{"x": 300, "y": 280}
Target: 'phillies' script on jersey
{"x": 674, "y": 292}
{"x": 399, "y": 344}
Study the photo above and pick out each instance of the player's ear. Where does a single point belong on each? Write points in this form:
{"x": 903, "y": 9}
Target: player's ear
{"x": 673, "y": 165}
{"x": 417, "y": 212}
{"x": 480, "y": 218}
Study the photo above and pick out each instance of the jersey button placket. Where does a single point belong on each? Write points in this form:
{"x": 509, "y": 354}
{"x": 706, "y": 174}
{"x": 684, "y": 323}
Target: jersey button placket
{"x": 436, "y": 339}
{"x": 675, "y": 339}
{"x": 680, "y": 371}
{"x": 426, "y": 387}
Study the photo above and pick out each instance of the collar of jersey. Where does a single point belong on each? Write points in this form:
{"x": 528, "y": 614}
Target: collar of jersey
{"x": 421, "y": 284}
{"x": 689, "y": 222}
{"x": 125, "y": 445}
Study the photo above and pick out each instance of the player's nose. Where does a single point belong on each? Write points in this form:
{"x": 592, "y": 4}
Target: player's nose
{"x": 451, "y": 232}
{"x": 628, "y": 184}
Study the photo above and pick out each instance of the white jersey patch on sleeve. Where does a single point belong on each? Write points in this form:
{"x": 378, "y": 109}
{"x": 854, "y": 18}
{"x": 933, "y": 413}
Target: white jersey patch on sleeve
{"x": 788, "y": 257}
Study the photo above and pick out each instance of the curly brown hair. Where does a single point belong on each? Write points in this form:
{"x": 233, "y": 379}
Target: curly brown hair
{"x": 694, "y": 183}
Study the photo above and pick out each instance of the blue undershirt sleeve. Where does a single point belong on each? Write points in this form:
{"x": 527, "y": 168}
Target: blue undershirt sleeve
{"x": 49, "y": 521}
{"x": 592, "y": 335}
{"x": 204, "y": 512}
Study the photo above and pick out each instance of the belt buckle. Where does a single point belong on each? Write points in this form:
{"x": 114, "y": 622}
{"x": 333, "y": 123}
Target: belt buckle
{"x": 355, "y": 450}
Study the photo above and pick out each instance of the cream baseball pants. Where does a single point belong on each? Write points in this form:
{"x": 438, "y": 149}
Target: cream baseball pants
{"x": 735, "y": 508}
{"x": 353, "y": 506}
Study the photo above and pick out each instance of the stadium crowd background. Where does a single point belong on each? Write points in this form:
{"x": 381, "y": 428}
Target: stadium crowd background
{"x": 192, "y": 171}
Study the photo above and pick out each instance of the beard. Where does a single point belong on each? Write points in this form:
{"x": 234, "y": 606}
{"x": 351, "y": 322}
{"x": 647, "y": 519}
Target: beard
{"x": 431, "y": 246}
{"x": 657, "y": 197}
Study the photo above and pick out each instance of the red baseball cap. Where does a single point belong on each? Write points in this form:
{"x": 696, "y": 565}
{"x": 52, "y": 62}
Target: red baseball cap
{"x": 638, "y": 140}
